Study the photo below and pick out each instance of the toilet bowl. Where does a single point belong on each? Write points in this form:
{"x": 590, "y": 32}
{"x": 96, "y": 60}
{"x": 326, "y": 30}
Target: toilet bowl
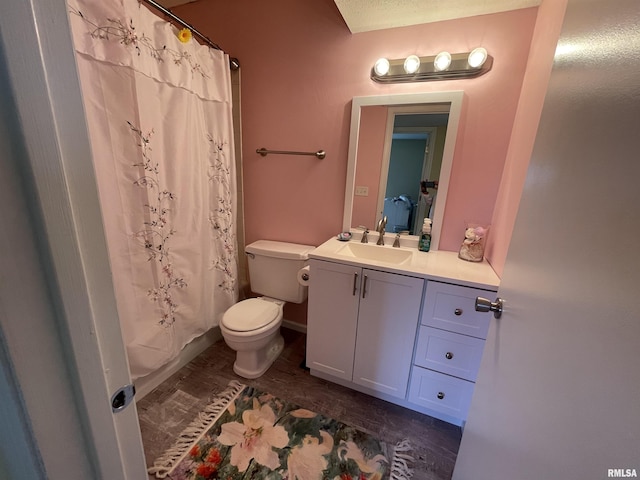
{"x": 252, "y": 328}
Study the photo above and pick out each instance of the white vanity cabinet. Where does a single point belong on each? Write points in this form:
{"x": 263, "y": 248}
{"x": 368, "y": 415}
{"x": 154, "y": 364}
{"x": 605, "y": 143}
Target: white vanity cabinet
{"x": 362, "y": 324}
{"x": 398, "y": 324}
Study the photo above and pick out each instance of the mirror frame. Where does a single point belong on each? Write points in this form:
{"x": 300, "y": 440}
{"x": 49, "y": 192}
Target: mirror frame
{"x": 455, "y": 99}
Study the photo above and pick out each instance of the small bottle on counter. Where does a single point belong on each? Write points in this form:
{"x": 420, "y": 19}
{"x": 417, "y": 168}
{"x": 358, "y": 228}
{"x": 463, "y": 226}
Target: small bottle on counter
{"x": 425, "y": 237}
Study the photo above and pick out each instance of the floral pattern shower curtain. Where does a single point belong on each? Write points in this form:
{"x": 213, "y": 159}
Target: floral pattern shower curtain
{"x": 158, "y": 106}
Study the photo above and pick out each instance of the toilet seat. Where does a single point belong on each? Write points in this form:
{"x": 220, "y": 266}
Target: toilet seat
{"x": 250, "y": 314}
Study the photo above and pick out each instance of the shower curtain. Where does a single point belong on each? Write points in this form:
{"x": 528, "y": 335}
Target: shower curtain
{"x": 158, "y": 108}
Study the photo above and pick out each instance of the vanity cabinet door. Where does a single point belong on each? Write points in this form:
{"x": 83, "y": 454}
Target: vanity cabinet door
{"x": 386, "y": 332}
{"x": 334, "y": 295}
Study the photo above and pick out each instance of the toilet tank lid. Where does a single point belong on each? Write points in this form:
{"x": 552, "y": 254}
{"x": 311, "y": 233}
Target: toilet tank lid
{"x": 270, "y": 248}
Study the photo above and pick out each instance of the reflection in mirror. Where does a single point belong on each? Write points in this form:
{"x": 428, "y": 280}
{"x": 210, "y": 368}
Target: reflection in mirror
{"x": 398, "y": 144}
{"x": 410, "y": 175}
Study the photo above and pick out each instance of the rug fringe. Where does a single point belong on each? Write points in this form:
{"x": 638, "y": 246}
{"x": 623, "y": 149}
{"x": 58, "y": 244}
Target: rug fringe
{"x": 196, "y": 429}
{"x": 400, "y": 469}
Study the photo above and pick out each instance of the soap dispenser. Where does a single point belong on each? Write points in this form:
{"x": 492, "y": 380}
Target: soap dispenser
{"x": 425, "y": 237}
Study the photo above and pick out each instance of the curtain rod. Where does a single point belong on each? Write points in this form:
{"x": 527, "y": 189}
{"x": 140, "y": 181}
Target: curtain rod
{"x": 233, "y": 62}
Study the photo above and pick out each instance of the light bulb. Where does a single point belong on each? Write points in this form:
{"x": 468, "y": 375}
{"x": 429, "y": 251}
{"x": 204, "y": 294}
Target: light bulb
{"x": 477, "y": 57}
{"x": 381, "y": 67}
{"x": 412, "y": 64}
{"x": 442, "y": 61}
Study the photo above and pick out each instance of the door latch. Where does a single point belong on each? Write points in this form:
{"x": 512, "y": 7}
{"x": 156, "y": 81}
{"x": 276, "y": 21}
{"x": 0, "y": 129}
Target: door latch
{"x": 122, "y": 398}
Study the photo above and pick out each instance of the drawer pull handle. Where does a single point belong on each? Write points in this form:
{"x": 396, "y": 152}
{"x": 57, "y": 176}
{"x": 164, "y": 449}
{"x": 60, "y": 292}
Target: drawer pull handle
{"x": 458, "y": 311}
{"x": 449, "y": 355}
{"x": 355, "y": 283}
{"x": 440, "y": 395}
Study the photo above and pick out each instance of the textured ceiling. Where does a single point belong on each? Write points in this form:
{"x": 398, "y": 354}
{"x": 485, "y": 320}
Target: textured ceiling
{"x": 366, "y": 15}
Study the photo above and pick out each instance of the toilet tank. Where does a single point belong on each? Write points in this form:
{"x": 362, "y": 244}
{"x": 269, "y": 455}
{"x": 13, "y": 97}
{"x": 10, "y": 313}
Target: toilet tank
{"x": 273, "y": 269}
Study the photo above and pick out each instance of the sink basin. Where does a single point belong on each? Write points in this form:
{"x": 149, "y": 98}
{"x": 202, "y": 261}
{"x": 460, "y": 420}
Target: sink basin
{"x": 377, "y": 253}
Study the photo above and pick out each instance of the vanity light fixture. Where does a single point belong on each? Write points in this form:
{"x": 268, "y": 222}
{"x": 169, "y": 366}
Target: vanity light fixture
{"x": 444, "y": 66}
{"x": 412, "y": 64}
{"x": 381, "y": 67}
{"x": 442, "y": 61}
{"x": 477, "y": 57}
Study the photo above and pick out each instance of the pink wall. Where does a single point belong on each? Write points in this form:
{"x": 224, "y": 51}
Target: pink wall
{"x": 373, "y": 126}
{"x": 300, "y": 68}
{"x": 545, "y": 37}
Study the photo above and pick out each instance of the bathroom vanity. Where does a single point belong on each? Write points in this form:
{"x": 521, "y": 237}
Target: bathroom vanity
{"x": 398, "y": 324}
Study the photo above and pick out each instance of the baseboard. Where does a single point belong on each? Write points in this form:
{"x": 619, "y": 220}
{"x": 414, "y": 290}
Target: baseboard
{"x": 144, "y": 385}
{"x": 298, "y": 327}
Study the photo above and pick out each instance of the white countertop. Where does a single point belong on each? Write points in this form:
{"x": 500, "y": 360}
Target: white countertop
{"x": 435, "y": 265}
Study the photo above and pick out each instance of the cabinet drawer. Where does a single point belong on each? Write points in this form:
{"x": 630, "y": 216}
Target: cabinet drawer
{"x": 439, "y": 392}
{"x": 452, "y": 308}
{"x": 451, "y": 353}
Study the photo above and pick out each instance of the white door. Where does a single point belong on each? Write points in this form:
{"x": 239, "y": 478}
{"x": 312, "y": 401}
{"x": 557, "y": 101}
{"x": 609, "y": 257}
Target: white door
{"x": 387, "y": 324}
{"x": 558, "y": 392}
{"x": 62, "y": 333}
{"x": 332, "y": 317}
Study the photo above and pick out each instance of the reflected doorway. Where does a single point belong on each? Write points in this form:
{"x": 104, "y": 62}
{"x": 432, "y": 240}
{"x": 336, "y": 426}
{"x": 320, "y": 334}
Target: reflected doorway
{"x": 414, "y": 148}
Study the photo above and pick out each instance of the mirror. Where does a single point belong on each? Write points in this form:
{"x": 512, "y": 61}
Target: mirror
{"x": 383, "y": 177}
{"x": 410, "y": 172}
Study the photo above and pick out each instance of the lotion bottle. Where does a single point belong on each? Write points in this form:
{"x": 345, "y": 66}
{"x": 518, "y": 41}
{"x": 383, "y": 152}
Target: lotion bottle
{"x": 425, "y": 238}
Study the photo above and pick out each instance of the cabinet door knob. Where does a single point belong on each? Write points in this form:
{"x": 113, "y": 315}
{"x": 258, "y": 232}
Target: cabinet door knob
{"x": 440, "y": 395}
{"x": 458, "y": 311}
{"x": 449, "y": 355}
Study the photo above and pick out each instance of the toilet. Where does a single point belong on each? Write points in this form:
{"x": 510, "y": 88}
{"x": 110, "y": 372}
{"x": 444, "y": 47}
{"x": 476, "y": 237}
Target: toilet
{"x": 252, "y": 327}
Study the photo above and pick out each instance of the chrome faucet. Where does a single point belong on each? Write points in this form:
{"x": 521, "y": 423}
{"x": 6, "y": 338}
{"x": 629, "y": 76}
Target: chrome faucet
{"x": 382, "y": 224}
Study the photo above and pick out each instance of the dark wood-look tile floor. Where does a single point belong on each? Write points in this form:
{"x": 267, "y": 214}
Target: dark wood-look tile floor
{"x": 168, "y": 409}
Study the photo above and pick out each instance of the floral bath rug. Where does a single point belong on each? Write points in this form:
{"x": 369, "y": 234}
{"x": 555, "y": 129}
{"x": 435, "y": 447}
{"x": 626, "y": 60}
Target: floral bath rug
{"x": 248, "y": 434}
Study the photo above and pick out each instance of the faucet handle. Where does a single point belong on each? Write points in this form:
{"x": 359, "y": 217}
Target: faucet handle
{"x": 396, "y": 242}
{"x": 364, "y": 239}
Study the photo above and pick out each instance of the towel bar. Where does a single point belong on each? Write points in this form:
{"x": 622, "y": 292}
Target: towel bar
{"x": 264, "y": 152}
